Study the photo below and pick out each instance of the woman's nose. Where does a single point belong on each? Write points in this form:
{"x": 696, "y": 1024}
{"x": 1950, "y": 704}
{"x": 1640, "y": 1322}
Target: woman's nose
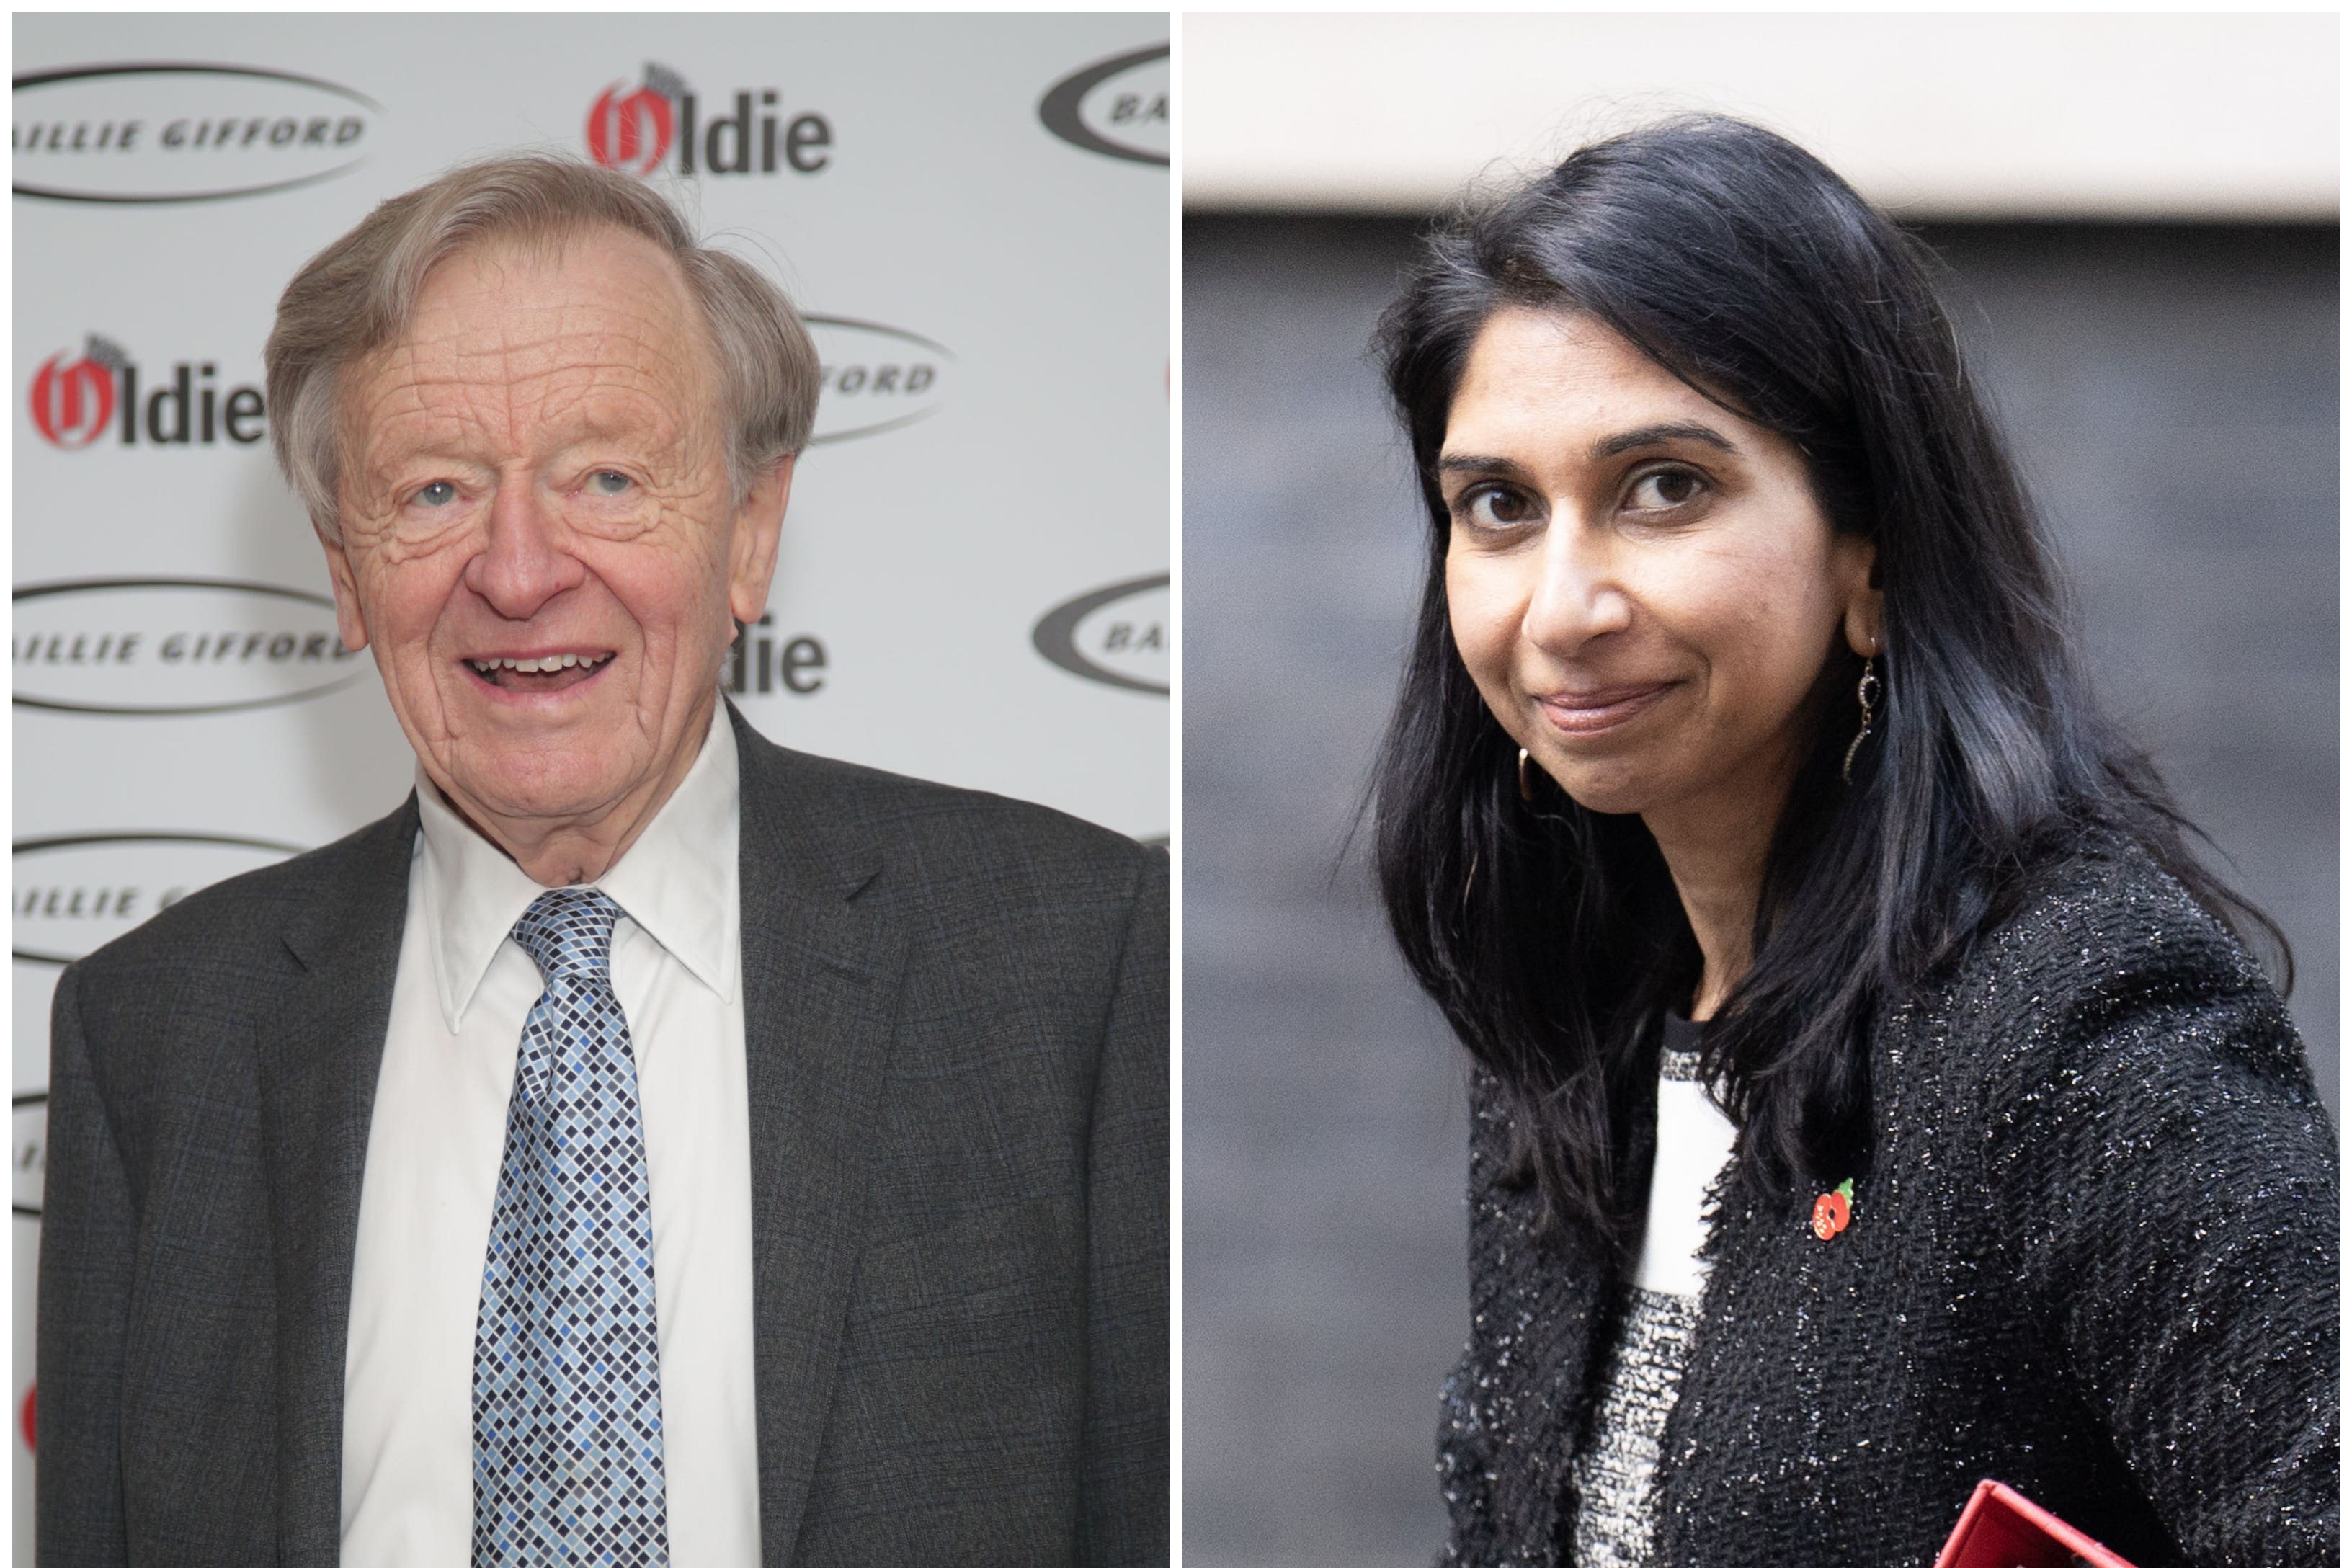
{"x": 526, "y": 559}
{"x": 1577, "y": 593}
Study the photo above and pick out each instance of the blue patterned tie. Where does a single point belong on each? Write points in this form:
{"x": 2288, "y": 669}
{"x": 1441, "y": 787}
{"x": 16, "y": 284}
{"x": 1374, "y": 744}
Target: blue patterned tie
{"x": 567, "y": 1381}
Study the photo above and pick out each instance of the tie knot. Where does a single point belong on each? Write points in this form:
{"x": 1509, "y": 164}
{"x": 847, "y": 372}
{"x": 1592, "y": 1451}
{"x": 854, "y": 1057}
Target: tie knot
{"x": 569, "y": 931}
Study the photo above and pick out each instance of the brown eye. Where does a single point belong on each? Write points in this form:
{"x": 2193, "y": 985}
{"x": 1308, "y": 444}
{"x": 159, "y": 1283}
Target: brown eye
{"x": 1665, "y": 489}
{"x": 1493, "y": 506}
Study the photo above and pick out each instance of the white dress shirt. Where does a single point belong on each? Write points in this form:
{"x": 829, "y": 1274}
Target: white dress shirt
{"x": 439, "y": 1135}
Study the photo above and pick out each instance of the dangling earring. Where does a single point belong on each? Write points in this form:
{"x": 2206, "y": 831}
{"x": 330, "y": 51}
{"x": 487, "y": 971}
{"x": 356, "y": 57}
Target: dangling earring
{"x": 1866, "y": 693}
{"x": 1526, "y": 790}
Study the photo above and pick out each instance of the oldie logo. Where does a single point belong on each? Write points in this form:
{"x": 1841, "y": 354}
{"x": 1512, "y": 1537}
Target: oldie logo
{"x": 1117, "y": 107}
{"x": 875, "y": 378}
{"x": 77, "y": 401}
{"x": 72, "y": 895}
{"x": 661, "y": 122}
{"x": 766, "y": 661}
{"x": 1118, "y": 634}
{"x": 181, "y": 132}
{"x": 72, "y": 401}
{"x": 140, "y": 646}
{"x": 28, "y": 1150}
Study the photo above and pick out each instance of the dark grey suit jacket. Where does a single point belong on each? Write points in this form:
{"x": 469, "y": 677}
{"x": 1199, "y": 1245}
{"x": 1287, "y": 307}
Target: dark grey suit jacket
{"x": 956, "y": 1024}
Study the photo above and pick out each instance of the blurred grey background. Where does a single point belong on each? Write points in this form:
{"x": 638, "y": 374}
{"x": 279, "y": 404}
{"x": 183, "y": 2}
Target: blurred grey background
{"x": 2165, "y": 362}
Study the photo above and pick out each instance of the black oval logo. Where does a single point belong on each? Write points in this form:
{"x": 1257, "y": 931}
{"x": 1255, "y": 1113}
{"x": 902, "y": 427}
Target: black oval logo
{"x": 29, "y": 1151}
{"x": 1117, "y": 107}
{"x": 133, "y": 646}
{"x": 71, "y": 895}
{"x": 152, "y": 132}
{"x": 1119, "y": 636}
{"x": 875, "y": 378}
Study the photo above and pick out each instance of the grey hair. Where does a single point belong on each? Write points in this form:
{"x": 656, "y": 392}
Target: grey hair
{"x": 357, "y": 296}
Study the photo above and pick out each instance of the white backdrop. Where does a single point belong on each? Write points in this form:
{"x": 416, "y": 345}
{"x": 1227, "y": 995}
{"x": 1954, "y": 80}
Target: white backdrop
{"x": 972, "y": 210}
{"x": 2228, "y": 114}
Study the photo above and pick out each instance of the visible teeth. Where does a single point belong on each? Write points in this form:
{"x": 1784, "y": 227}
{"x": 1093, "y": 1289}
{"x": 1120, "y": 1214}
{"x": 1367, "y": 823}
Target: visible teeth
{"x": 536, "y": 665}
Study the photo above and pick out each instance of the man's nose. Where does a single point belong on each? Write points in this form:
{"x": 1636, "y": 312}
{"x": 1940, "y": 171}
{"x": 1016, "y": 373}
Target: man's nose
{"x": 1578, "y": 592}
{"x": 527, "y": 558}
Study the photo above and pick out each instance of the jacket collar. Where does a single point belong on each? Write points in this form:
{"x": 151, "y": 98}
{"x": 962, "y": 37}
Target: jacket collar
{"x": 822, "y": 967}
{"x": 318, "y": 1064}
{"x": 1550, "y": 1303}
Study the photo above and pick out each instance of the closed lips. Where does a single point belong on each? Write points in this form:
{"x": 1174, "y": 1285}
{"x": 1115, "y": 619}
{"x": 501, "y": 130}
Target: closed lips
{"x": 1584, "y": 711}
{"x": 1606, "y": 697}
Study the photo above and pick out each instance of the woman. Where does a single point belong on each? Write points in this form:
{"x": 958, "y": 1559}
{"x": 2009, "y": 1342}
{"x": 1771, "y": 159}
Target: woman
{"x": 1871, "y": 1095}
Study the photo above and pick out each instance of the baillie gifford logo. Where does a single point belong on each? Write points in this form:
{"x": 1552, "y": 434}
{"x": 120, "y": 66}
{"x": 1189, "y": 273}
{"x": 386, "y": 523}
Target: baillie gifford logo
{"x": 1117, "y": 107}
{"x": 186, "y": 131}
{"x": 74, "y": 402}
{"x": 1117, "y": 634}
{"x": 663, "y": 123}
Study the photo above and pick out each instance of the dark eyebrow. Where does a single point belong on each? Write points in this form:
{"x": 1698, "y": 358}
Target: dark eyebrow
{"x": 1463, "y": 465}
{"x": 1658, "y": 434}
{"x": 1606, "y": 447}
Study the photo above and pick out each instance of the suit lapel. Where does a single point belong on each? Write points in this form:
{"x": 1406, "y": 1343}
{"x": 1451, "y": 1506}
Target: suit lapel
{"x": 821, "y": 976}
{"x": 318, "y": 1063}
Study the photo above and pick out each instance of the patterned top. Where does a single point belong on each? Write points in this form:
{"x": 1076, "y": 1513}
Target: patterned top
{"x": 1611, "y": 1476}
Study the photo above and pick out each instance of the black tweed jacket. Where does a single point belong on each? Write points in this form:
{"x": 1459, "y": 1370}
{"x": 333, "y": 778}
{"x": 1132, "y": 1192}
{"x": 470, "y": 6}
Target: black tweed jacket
{"x": 2095, "y": 1256}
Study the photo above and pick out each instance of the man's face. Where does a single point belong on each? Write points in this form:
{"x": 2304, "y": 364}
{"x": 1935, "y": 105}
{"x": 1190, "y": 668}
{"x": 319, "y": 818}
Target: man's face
{"x": 539, "y": 536}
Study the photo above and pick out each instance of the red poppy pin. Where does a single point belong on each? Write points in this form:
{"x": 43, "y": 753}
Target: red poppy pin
{"x": 1833, "y": 1212}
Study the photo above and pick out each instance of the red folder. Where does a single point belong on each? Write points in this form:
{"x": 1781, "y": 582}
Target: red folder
{"x": 1998, "y": 1529}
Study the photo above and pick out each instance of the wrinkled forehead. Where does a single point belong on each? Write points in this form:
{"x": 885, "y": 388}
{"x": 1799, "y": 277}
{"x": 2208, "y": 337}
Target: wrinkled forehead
{"x": 514, "y": 331}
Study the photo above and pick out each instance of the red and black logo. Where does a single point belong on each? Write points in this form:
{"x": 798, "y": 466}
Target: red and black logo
{"x": 641, "y": 131}
{"x": 75, "y": 401}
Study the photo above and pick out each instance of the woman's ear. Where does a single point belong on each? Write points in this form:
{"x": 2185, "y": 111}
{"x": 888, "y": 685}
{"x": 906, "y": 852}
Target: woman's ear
{"x": 1866, "y": 603}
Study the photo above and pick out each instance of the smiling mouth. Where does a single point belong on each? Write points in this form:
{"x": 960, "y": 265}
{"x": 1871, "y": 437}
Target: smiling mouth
{"x": 1590, "y": 714}
{"x": 553, "y": 673}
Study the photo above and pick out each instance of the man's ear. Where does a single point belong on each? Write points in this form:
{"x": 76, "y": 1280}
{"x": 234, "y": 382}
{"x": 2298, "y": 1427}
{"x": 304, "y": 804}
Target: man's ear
{"x": 752, "y": 552}
{"x": 347, "y": 595}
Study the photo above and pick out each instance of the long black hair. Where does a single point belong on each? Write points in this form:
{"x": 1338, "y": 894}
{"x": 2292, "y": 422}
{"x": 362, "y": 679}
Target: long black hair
{"x": 1552, "y": 936}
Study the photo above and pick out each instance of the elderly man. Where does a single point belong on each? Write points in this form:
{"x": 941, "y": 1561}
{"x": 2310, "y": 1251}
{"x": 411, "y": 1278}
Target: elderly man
{"x": 647, "y": 1145}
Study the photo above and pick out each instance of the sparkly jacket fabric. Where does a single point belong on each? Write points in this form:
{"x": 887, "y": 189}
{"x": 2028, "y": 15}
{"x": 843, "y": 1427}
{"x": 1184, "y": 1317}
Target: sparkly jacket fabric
{"x": 2095, "y": 1256}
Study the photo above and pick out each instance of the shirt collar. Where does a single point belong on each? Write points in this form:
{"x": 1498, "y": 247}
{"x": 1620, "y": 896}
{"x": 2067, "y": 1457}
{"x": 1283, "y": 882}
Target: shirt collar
{"x": 678, "y": 881}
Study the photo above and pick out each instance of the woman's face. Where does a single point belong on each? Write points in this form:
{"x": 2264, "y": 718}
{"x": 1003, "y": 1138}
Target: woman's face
{"x": 1640, "y": 582}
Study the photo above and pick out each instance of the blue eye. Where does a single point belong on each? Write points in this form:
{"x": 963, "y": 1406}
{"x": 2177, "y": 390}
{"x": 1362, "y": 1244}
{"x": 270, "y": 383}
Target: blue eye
{"x": 440, "y": 492}
{"x": 608, "y": 482}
